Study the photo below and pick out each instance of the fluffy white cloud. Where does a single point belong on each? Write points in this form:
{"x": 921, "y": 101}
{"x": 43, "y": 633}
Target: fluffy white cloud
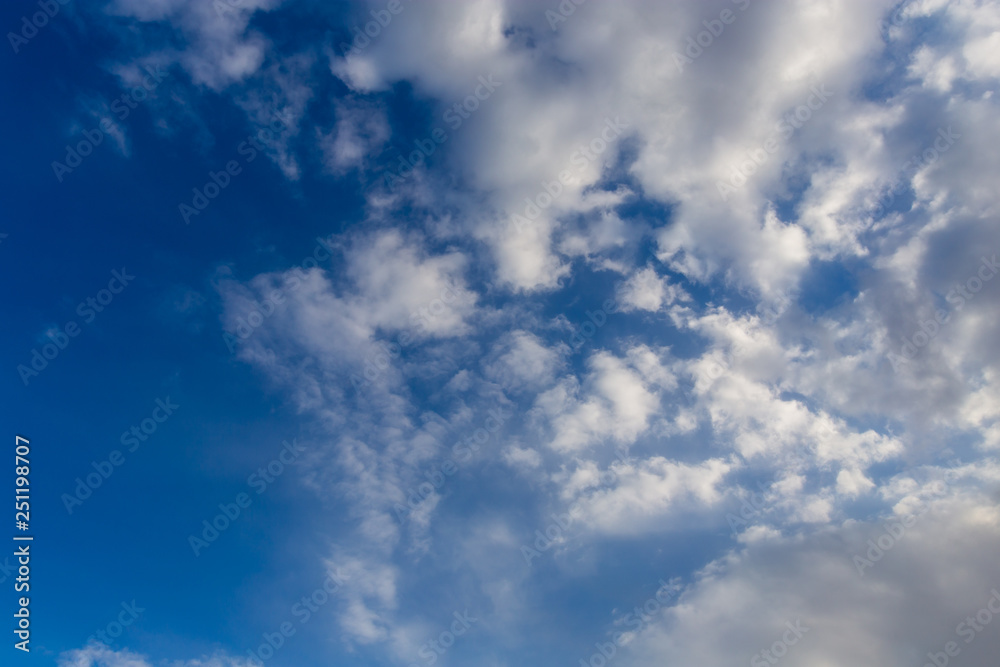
{"x": 644, "y": 496}
{"x": 395, "y": 289}
{"x": 360, "y": 132}
{"x": 99, "y": 655}
{"x": 646, "y": 290}
{"x": 615, "y": 402}
{"x": 521, "y": 361}
{"x": 220, "y": 49}
{"x": 913, "y": 600}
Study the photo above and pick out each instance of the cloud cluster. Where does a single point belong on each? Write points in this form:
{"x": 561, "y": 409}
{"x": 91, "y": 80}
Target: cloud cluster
{"x": 99, "y": 655}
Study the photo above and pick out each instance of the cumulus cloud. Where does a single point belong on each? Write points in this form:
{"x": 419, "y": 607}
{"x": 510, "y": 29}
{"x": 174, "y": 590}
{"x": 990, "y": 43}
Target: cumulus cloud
{"x": 646, "y": 290}
{"x": 645, "y": 495}
{"x": 905, "y": 605}
{"x": 522, "y": 361}
{"x": 361, "y": 131}
{"x": 99, "y": 655}
{"x": 220, "y": 48}
{"x": 615, "y": 403}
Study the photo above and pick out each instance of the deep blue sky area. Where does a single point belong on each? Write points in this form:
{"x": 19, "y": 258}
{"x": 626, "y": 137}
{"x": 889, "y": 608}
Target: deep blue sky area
{"x": 128, "y": 540}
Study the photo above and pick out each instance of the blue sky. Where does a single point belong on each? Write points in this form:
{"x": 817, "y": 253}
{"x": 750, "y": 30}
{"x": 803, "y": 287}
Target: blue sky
{"x": 476, "y": 333}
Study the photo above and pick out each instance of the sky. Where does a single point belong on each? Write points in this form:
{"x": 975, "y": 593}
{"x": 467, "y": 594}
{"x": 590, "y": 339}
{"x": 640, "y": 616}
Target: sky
{"x": 497, "y": 332}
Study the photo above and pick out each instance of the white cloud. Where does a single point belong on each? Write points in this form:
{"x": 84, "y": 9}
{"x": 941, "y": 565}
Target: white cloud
{"x": 645, "y": 495}
{"x": 519, "y": 457}
{"x": 99, "y": 655}
{"x": 395, "y": 288}
{"x": 615, "y": 403}
{"x": 905, "y": 605}
{"x": 645, "y": 290}
{"x": 521, "y": 361}
{"x": 360, "y": 132}
{"x": 220, "y": 49}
